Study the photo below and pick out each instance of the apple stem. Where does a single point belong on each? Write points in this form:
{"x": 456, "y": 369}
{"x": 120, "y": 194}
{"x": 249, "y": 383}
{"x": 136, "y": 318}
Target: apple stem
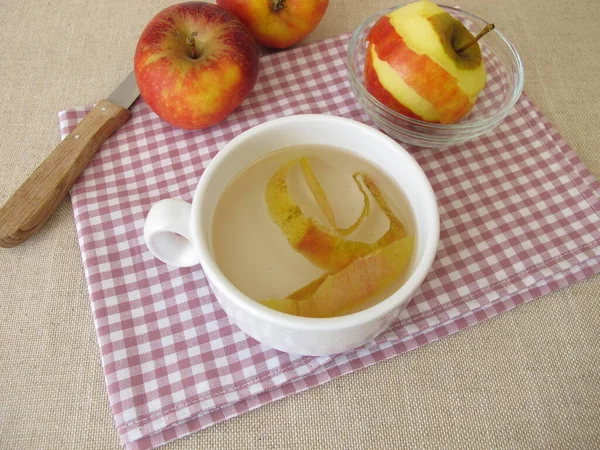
{"x": 489, "y": 27}
{"x": 192, "y": 43}
{"x": 277, "y": 5}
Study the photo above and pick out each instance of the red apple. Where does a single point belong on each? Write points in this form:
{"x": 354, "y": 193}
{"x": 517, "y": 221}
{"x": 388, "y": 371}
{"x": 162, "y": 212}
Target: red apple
{"x": 194, "y": 64}
{"x": 278, "y": 23}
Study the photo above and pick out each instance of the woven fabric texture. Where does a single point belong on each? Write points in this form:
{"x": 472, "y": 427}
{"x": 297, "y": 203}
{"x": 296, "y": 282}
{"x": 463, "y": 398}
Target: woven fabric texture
{"x": 527, "y": 378}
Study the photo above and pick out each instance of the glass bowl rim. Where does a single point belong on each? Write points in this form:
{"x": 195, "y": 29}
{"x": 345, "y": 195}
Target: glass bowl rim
{"x": 483, "y": 123}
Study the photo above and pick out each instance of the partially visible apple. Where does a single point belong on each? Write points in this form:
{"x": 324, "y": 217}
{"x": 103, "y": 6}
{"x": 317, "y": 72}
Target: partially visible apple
{"x": 417, "y": 64}
{"x": 278, "y": 23}
{"x": 194, "y": 64}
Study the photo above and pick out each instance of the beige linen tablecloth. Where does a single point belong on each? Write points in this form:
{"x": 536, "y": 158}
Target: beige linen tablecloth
{"x": 528, "y": 378}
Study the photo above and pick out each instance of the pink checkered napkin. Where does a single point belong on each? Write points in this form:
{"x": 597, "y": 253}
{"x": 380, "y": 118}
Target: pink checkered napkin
{"x": 520, "y": 218}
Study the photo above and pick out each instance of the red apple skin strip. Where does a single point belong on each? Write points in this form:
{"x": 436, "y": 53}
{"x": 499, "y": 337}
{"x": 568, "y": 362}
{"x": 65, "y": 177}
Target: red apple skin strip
{"x": 331, "y": 294}
{"x": 317, "y": 190}
{"x": 308, "y": 290}
{"x": 363, "y": 278}
{"x": 375, "y": 87}
{"x": 316, "y": 242}
{"x": 396, "y": 229}
{"x": 284, "y": 305}
{"x": 290, "y": 304}
{"x": 321, "y": 198}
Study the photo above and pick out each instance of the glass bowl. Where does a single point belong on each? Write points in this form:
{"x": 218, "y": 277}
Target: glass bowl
{"x": 502, "y": 89}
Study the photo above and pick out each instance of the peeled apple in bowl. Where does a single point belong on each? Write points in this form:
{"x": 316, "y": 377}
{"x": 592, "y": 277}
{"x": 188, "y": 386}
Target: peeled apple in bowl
{"x": 424, "y": 63}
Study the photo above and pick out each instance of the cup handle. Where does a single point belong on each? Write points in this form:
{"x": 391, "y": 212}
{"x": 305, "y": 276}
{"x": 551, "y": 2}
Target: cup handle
{"x": 167, "y": 233}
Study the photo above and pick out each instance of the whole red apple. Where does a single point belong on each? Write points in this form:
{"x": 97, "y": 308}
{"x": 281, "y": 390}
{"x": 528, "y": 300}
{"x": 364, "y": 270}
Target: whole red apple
{"x": 278, "y": 23}
{"x": 194, "y": 64}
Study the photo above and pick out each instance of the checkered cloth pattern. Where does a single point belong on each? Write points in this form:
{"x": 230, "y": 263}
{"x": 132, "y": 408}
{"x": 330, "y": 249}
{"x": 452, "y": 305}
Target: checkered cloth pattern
{"x": 519, "y": 214}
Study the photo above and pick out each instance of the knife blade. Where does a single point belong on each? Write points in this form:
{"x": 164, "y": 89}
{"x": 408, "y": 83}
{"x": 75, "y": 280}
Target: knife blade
{"x": 32, "y": 204}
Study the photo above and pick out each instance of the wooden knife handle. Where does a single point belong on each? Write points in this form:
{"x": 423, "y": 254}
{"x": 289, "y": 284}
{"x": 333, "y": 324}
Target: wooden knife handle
{"x": 26, "y": 211}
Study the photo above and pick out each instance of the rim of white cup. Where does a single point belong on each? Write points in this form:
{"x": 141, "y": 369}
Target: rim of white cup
{"x": 247, "y": 304}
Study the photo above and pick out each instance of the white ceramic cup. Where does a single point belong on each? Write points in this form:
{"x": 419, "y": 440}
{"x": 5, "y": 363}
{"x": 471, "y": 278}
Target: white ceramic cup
{"x": 180, "y": 234}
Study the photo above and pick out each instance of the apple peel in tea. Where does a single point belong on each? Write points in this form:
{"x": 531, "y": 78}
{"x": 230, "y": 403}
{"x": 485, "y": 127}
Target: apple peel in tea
{"x": 320, "y": 244}
{"x": 323, "y": 203}
{"x": 356, "y": 270}
{"x": 332, "y": 294}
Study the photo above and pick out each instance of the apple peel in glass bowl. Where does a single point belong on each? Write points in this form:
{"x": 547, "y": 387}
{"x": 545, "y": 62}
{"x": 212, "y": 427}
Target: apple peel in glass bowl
{"x": 426, "y": 80}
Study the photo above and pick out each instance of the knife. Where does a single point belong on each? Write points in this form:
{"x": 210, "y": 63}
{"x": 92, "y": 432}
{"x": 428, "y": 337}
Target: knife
{"x": 32, "y": 204}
